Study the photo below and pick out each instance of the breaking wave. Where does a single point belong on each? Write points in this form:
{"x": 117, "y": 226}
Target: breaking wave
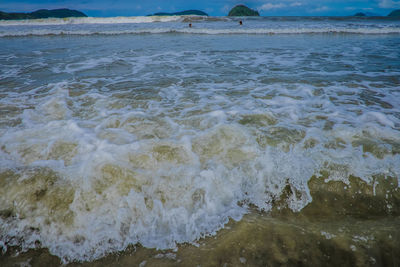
{"x": 90, "y": 20}
{"x": 50, "y": 32}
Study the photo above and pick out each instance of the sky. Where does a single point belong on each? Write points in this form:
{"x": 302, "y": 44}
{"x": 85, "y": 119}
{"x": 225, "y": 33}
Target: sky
{"x": 108, "y": 8}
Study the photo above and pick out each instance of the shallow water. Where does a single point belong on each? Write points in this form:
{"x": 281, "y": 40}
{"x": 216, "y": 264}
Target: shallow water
{"x": 193, "y": 143}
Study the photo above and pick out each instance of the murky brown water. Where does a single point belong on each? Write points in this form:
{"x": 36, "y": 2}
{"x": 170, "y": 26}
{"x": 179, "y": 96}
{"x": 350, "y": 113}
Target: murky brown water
{"x": 354, "y": 227}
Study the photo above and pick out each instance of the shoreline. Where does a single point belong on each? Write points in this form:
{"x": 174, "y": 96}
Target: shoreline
{"x": 258, "y": 240}
{"x": 309, "y": 237}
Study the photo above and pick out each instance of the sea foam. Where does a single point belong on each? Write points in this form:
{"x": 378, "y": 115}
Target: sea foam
{"x": 263, "y": 31}
{"x": 112, "y": 142}
{"x": 157, "y": 181}
{"x": 91, "y": 20}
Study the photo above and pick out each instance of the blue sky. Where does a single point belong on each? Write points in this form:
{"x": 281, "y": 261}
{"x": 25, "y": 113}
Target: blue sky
{"x": 108, "y": 8}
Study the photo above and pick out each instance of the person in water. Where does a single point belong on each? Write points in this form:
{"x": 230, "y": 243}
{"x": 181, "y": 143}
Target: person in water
{"x": 240, "y": 22}
{"x": 190, "y": 25}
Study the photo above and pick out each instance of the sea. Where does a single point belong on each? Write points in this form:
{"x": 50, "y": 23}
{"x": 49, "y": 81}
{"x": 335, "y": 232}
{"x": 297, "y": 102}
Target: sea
{"x": 142, "y": 141}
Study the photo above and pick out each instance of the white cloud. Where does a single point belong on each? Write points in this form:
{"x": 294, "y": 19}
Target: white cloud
{"x": 320, "y": 9}
{"x": 269, "y": 6}
{"x": 226, "y": 8}
{"x": 296, "y": 4}
{"x": 389, "y": 4}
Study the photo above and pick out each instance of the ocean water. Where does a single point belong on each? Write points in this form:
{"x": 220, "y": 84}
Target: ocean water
{"x": 141, "y": 131}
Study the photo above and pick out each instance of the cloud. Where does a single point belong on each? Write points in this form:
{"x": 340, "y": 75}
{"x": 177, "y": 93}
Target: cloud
{"x": 226, "y": 8}
{"x": 272, "y": 6}
{"x": 389, "y": 4}
{"x": 320, "y": 9}
{"x": 269, "y": 6}
{"x": 296, "y": 4}
{"x": 25, "y": 6}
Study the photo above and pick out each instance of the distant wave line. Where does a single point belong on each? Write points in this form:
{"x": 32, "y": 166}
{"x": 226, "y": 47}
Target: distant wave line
{"x": 91, "y": 20}
{"x": 184, "y": 18}
{"x": 265, "y": 31}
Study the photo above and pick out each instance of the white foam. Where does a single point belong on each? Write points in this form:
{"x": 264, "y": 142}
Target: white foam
{"x": 90, "y": 20}
{"x": 208, "y": 31}
{"x": 378, "y": 116}
{"x": 125, "y": 166}
{"x": 174, "y": 199}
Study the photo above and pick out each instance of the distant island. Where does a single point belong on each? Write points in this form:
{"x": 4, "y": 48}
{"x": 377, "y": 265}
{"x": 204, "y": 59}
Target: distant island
{"x": 366, "y": 14}
{"x": 360, "y": 14}
{"x": 42, "y": 14}
{"x": 181, "y": 13}
{"x": 395, "y": 13}
{"x": 242, "y": 10}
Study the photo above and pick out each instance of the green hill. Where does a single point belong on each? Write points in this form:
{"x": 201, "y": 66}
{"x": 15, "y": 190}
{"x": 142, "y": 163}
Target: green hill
{"x": 395, "y": 13}
{"x": 43, "y": 13}
{"x": 242, "y": 10}
{"x": 181, "y": 13}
